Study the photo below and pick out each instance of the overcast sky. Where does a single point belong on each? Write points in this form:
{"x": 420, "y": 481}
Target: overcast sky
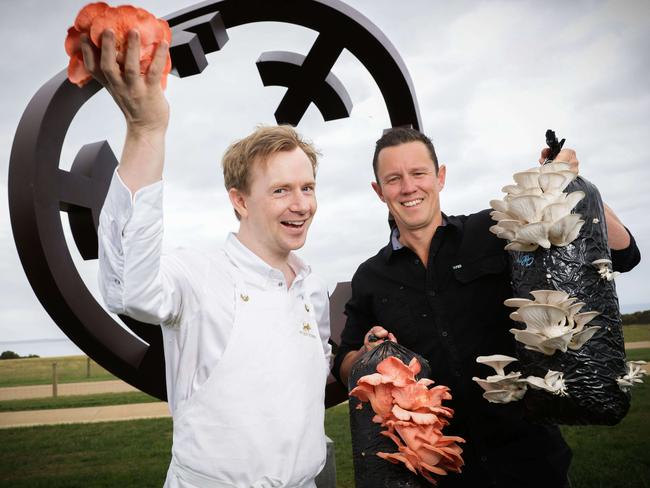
{"x": 490, "y": 78}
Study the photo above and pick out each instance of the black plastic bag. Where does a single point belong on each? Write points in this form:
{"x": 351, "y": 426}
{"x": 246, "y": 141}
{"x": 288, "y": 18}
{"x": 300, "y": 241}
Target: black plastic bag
{"x": 590, "y": 373}
{"x": 371, "y": 471}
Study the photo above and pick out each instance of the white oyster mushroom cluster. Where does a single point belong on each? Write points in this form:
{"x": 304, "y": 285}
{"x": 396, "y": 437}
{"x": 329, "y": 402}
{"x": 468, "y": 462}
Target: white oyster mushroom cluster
{"x": 505, "y": 388}
{"x": 604, "y": 270}
{"x": 536, "y": 211}
{"x": 501, "y": 387}
{"x": 635, "y": 372}
{"x": 553, "y": 382}
{"x": 553, "y": 321}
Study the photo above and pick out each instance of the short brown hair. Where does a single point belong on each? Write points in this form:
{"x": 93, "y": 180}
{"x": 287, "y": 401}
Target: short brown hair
{"x": 402, "y": 135}
{"x": 238, "y": 159}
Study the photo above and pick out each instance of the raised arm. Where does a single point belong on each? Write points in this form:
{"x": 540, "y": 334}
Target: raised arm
{"x": 135, "y": 279}
{"x": 141, "y": 100}
{"x": 617, "y": 235}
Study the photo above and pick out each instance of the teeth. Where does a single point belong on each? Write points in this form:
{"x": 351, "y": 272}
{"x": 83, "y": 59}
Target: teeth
{"x": 412, "y": 203}
{"x": 295, "y": 223}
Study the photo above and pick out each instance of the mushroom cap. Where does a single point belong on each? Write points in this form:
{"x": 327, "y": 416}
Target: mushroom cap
{"x": 579, "y": 338}
{"x": 540, "y": 316}
{"x": 497, "y": 361}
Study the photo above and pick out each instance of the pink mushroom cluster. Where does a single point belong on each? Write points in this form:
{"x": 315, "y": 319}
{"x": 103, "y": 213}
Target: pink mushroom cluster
{"x": 412, "y": 413}
{"x": 96, "y": 17}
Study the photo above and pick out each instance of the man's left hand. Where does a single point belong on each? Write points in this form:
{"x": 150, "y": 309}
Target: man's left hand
{"x": 565, "y": 156}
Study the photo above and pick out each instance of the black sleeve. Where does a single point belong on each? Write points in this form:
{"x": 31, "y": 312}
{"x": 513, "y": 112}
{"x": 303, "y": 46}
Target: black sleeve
{"x": 624, "y": 260}
{"x": 360, "y": 319}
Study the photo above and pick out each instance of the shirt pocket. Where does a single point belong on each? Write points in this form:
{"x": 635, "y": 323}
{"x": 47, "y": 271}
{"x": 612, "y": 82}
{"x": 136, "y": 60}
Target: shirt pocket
{"x": 493, "y": 264}
{"x": 477, "y": 310}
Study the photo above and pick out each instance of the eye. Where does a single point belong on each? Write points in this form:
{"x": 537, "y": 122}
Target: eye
{"x": 392, "y": 179}
{"x": 308, "y": 188}
{"x": 279, "y": 191}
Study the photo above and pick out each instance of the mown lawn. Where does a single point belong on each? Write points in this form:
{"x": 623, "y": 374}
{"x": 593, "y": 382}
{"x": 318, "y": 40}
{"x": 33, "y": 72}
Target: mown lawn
{"x": 76, "y": 401}
{"x": 639, "y": 354}
{"x": 38, "y": 371}
{"x": 636, "y": 333}
{"x": 136, "y": 453}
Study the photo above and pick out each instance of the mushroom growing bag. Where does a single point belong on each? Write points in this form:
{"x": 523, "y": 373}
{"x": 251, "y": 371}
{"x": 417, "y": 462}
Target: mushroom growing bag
{"x": 396, "y": 419}
{"x": 591, "y": 371}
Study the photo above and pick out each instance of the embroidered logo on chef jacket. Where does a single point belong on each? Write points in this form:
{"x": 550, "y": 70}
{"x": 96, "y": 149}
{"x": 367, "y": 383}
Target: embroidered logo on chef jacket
{"x": 307, "y": 330}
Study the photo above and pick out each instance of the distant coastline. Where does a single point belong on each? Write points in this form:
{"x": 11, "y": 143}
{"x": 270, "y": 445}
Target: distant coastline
{"x": 42, "y": 347}
{"x": 635, "y": 307}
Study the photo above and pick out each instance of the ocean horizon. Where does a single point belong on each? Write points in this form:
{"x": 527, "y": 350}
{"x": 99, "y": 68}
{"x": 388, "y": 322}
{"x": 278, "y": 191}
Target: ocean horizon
{"x": 42, "y": 347}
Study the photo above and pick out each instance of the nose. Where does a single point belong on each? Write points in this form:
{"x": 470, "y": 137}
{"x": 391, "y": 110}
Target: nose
{"x": 408, "y": 185}
{"x": 300, "y": 203}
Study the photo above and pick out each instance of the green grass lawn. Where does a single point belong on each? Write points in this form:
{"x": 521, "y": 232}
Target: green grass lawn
{"x": 38, "y": 371}
{"x": 110, "y": 454}
{"x": 76, "y": 401}
{"x": 636, "y": 333}
{"x": 614, "y": 456}
{"x": 136, "y": 453}
{"x": 638, "y": 354}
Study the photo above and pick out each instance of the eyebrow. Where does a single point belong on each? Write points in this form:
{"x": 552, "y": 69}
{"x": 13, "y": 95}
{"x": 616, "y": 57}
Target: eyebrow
{"x": 280, "y": 183}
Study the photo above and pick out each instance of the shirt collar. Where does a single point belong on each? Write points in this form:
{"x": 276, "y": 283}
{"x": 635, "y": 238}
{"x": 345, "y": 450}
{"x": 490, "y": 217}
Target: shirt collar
{"x": 256, "y": 270}
{"x": 395, "y": 245}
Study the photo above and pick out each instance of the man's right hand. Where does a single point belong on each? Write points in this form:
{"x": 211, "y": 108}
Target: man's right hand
{"x": 141, "y": 99}
{"x": 139, "y": 96}
{"x": 376, "y": 336}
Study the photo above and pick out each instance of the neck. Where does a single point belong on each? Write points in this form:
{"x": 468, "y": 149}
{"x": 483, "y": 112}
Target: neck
{"x": 419, "y": 240}
{"x": 275, "y": 260}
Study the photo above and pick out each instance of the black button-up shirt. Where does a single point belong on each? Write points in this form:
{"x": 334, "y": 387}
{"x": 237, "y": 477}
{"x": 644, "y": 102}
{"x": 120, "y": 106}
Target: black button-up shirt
{"x": 451, "y": 311}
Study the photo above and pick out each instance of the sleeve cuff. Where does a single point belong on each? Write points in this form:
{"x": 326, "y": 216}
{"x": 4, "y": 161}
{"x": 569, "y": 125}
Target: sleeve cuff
{"x": 624, "y": 260}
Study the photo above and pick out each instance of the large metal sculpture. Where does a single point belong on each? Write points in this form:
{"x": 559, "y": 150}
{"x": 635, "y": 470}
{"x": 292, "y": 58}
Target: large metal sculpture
{"x": 39, "y": 190}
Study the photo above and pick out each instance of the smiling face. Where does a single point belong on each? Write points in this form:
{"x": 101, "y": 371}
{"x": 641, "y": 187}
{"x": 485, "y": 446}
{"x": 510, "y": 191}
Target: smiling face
{"x": 278, "y": 208}
{"x": 409, "y": 185}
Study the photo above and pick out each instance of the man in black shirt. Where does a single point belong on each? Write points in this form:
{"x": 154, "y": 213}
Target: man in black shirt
{"x": 439, "y": 287}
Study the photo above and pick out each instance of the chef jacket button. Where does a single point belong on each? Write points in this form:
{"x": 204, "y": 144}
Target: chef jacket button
{"x": 444, "y": 333}
{"x": 307, "y": 307}
{"x": 416, "y": 261}
{"x": 117, "y": 282}
{"x": 279, "y": 283}
{"x": 384, "y": 300}
{"x": 484, "y": 459}
{"x": 424, "y": 315}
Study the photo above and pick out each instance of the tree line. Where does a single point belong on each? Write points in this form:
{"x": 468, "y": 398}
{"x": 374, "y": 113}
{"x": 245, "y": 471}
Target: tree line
{"x": 636, "y": 318}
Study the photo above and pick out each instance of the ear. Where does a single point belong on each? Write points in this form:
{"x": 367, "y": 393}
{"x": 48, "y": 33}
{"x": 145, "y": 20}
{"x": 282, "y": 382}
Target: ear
{"x": 377, "y": 187}
{"x": 442, "y": 174}
{"x": 238, "y": 201}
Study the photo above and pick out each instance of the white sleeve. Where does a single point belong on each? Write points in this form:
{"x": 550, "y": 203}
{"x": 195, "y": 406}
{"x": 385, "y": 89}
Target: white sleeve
{"x": 319, "y": 298}
{"x": 134, "y": 279}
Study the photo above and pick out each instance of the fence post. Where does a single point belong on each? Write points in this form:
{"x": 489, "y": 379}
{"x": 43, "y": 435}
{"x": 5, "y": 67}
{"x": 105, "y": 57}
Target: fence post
{"x": 54, "y": 381}
{"x": 87, "y": 366}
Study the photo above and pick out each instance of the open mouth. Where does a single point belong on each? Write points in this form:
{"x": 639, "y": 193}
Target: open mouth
{"x": 413, "y": 203}
{"x": 293, "y": 224}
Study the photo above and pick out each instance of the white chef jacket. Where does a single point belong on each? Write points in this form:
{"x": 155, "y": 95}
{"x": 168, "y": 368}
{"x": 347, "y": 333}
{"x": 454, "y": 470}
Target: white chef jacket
{"x": 191, "y": 294}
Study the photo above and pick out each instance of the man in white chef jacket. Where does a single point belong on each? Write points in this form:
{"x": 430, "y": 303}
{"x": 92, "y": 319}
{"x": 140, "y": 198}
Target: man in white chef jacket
{"x": 246, "y": 327}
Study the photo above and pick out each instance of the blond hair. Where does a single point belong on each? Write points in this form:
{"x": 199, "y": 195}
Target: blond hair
{"x": 240, "y": 156}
